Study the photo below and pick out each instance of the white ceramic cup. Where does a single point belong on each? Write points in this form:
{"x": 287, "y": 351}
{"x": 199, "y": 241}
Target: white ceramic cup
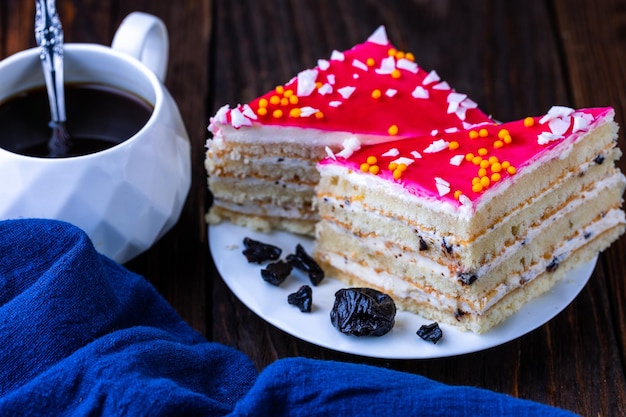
{"x": 125, "y": 197}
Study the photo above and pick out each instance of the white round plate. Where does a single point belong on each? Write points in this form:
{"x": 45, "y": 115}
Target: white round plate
{"x": 270, "y": 303}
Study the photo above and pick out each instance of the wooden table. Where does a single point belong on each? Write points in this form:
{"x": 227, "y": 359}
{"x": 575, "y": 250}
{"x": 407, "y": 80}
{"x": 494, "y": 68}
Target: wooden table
{"x": 515, "y": 58}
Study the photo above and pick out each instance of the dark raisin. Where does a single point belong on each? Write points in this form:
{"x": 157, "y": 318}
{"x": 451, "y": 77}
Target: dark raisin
{"x": 276, "y": 272}
{"x": 423, "y": 244}
{"x": 363, "y": 312}
{"x": 446, "y": 247}
{"x": 303, "y": 261}
{"x": 458, "y": 314}
{"x": 430, "y": 332}
{"x": 587, "y": 235}
{"x": 553, "y": 265}
{"x": 599, "y": 159}
{"x": 258, "y": 252}
{"x": 467, "y": 278}
{"x": 303, "y": 298}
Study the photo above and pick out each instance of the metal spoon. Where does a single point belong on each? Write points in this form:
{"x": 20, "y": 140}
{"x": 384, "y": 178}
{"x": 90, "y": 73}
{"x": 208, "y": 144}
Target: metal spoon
{"x": 49, "y": 36}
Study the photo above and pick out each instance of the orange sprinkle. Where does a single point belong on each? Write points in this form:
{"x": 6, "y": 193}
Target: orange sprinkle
{"x": 511, "y": 170}
{"x": 293, "y": 99}
{"x": 284, "y": 101}
{"x": 483, "y": 133}
{"x": 318, "y": 84}
{"x": 262, "y": 111}
{"x": 263, "y": 103}
{"x": 374, "y": 169}
{"x": 371, "y": 160}
{"x": 454, "y": 145}
{"x": 365, "y": 167}
{"x": 409, "y": 56}
{"x": 508, "y": 139}
{"x": 288, "y": 93}
{"x": 469, "y": 157}
{"x": 477, "y": 160}
{"x": 370, "y": 62}
{"x": 393, "y": 130}
{"x": 495, "y": 177}
{"x": 502, "y": 133}
{"x": 496, "y": 167}
{"x": 376, "y": 94}
{"x": 397, "y": 174}
{"x": 280, "y": 89}
{"x": 482, "y": 172}
{"x": 274, "y": 100}
{"x": 457, "y": 194}
{"x": 484, "y": 163}
{"x": 473, "y": 134}
{"x": 477, "y": 188}
{"x": 319, "y": 115}
{"x": 395, "y": 73}
{"x": 392, "y": 166}
{"x": 506, "y": 164}
{"x": 529, "y": 122}
{"x": 402, "y": 167}
{"x": 493, "y": 160}
{"x": 498, "y": 144}
{"x": 483, "y": 151}
{"x": 392, "y": 51}
{"x": 295, "y": 112}
{"x": 400, "y": 55}
{"x": 475, "y": 180}
{"x": 484, "y": 181}
{"x": 278, "y": 113}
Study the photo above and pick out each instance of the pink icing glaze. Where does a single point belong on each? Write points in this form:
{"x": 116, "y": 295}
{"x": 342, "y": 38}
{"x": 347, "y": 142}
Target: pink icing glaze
{"x": 419, "y": 178}
{"x": 360, "y": 113}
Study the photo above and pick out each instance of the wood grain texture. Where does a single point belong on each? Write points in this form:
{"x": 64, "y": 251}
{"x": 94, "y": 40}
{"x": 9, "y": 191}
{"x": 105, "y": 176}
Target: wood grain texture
{"x": 514, "y": 58}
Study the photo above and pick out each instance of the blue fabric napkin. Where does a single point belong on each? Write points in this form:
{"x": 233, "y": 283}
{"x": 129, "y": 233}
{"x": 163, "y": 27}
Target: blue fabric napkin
{"x": 81, "y": 335}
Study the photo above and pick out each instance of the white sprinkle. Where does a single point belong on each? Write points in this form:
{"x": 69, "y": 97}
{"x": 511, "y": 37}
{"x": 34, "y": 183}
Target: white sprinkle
{"x": 323, "y": 64}
{"x": 546, "y": 137}
{"x": 441, "y": 86}
{"x": 403, "y": 160}
{"x": 453, "y": 106}
{"x": 335, "y": 103}
{"x": 432, "y": 77}
{"x": 248, "y": 112}
{"x": 355, "y": 76}
{"x": 420, "y": 92}
{"x": 465, "y": 201}
{"x": 556, "y": 111}
{"x": 325, "y": 89}
{"x": 379, "y": 36}
{"x": 456, "y": 160}
{"x": 581, "y": 121}
{"x": 416, "y": 154}
{"x": 434, "y": 132}
{"x": 306, "y": 82}
{"x": 387, "y": 66}
{"x": 350, "y": 145}
{"x": 443, "y": 186}
{"x": 220, "y": 115}
{"x": 468, "y": 103}
{"x": 307, "y": 111}
{"x": 456, "y": 97}
{"x": 392, "y": 152}
{"x": 337, "y": 56}
{"x": 330, "y": 153}
{"x": 452, "y": 130}
{"x": 437, "y": 146}
{"x": 559, "y": 126}
{"x": 391, "y": 92}
{"x": 359, "y": 64}
{"x": 346, "y": 92}
{"x": 461, "y": 112}
{"x": 238, "y": 119}
{"x": 331, "y": 79}
{"x": 407, "y": 65}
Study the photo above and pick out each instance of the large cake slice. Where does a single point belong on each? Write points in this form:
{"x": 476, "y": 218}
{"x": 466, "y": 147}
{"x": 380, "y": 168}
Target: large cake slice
{"x": 261, "y": 158}
{"x": 465, "y": 227}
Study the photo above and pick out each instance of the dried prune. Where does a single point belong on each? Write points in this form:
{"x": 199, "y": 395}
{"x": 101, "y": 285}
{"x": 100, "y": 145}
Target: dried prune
{"x": 276, "y": 272}
{"x": 430, "y": 332}
{"x": 303, "y": 298}
{"x": 259, "y": 252}
{"x": 363, "y": 312}
{"x": 599, "y": 159}
{"x": 423, "y": 244}
{"x": 306, "y": 263}
{"x": 553, "y": 265}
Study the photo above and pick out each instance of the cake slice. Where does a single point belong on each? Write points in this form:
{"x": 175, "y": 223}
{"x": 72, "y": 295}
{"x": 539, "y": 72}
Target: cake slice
{"x": 262, "y": 155}
{"x": 465, "y": 227}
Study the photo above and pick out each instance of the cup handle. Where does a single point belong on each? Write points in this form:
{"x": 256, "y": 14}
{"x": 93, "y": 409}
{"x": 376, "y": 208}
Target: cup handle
{"x": 144, "y": 36}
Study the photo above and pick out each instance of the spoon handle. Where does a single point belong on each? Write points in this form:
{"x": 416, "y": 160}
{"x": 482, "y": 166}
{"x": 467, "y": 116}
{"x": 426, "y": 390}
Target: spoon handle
{"x": 49, "y": 36}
